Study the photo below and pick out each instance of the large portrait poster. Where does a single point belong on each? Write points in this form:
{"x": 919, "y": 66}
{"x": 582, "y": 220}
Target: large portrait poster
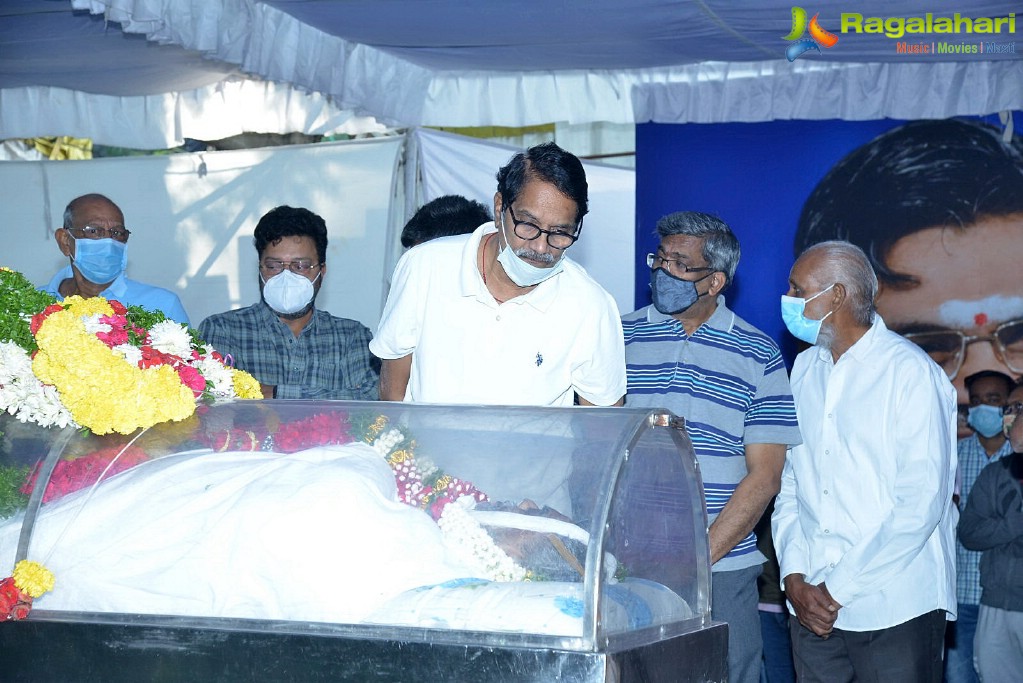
{"x": 938, "y": 205}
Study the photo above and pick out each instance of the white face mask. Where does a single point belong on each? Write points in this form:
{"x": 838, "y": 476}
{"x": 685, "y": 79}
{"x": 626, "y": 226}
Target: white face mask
{"x": 521, "y": 272}
{"x": 288, "y": 292}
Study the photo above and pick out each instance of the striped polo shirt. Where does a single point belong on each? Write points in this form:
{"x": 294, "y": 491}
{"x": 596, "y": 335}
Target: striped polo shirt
{"x": 729, "y": 382}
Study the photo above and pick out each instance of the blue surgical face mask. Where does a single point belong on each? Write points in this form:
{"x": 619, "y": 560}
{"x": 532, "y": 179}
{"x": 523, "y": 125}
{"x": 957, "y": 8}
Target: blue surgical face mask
{"x": 521, "y": 272}
{"x": 986, "y": 420}
{"x": 100, "y": 261}
{"x": 796, "y": 321}
{"x": 672, "y": 295}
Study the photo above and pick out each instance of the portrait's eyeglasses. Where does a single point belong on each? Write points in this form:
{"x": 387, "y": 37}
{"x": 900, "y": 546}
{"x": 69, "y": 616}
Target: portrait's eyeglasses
{"x": 557, "y": 239}
{"x": 300, "y": 266}
{"x": 948, "y": 348}
{"x": 674, "y": 266}
{"x": 89, "y": 232}
{"x": 1014, "y": 408}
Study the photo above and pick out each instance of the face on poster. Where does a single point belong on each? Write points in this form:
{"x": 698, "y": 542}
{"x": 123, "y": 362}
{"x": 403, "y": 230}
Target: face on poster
{"x": 937, "y": 206}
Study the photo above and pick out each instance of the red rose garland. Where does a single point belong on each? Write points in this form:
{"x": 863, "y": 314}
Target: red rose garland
{"x": 14, "y": 604}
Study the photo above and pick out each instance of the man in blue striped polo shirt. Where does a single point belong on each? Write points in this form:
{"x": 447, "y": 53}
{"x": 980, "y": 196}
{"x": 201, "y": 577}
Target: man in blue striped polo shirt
{"x": 689, "y": 353}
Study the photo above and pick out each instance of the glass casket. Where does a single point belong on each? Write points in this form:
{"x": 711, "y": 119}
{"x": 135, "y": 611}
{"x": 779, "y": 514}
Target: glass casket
{"x": 301, "y": 540}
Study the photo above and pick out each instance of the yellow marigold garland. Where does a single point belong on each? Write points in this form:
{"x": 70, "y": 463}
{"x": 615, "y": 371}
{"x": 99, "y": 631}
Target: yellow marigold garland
{"x": 95, "y": 384}
{"x": 245, "y": 385}
{"x": 33, "y": 578}
{"x": 374, "y": 429}
{"x": 91, "y": 306}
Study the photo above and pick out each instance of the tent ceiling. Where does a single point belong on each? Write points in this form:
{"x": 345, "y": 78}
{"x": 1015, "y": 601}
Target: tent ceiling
{"x": 44, "y": 43}
{"x": 532, "y": 35}
{"x": 439, "y": 62}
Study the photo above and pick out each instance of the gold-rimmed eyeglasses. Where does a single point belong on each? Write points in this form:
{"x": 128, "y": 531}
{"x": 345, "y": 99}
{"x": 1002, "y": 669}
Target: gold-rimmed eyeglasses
{"x": 948, "y": 347}
{"x": 91, "y": 232}
{"x": 302, "y": 266}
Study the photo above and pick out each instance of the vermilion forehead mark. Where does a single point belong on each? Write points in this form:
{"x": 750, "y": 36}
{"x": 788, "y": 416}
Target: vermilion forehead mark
{"x": 980, "y": 312}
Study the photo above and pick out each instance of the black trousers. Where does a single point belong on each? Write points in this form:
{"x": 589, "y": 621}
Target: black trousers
{"x": 907, "y": 653}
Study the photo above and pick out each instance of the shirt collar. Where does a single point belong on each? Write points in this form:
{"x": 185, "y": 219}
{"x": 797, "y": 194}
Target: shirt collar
{"x": 272, "y": 318}
{"x": 541, "y": 298}
{"x": 471, "y": 282}
{"x": 117, "y": 289}
{"x": 721, "y": 319}
{"x": 864, "y": 346}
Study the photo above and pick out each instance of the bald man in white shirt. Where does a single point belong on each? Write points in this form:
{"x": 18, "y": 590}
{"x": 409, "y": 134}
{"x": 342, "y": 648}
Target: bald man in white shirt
{"x": 864, "y": 524}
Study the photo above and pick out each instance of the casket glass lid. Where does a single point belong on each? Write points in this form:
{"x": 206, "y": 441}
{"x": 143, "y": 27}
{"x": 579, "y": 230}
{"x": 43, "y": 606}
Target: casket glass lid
{"x": 574, "y": 528}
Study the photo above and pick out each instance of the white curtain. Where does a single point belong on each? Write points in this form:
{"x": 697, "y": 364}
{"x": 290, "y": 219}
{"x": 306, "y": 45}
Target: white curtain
{"x": 230, "y": 107}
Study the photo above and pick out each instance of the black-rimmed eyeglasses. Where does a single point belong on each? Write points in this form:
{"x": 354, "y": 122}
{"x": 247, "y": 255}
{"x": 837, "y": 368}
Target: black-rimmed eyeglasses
{"x": 656, "y": 261}
{"x": 557, "y": 239}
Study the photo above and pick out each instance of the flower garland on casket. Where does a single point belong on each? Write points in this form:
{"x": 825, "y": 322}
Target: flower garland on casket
{"x": 419, "y": 483}
{"x": 97, "y": 364}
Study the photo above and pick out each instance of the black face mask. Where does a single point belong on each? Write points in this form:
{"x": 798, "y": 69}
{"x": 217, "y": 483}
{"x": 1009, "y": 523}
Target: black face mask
{"x": 672, "y": 294}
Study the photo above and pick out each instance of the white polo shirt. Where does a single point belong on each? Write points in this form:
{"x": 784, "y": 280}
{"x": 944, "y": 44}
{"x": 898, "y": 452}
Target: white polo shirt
{"x": 565, "y": 336}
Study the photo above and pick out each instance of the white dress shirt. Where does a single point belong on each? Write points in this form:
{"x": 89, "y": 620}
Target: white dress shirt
{"x": 866, "y": 500}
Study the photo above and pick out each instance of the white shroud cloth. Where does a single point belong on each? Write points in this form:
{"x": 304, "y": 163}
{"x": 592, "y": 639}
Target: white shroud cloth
{"x": 315, "y": 536}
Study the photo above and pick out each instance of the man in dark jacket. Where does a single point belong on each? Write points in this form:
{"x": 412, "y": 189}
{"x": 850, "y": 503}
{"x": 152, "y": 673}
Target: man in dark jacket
{"x": 993, "y": 523}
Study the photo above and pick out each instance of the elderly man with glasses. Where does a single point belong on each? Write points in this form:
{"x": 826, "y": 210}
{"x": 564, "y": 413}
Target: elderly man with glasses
{"x": 293, "y": 348}
{"x": 95, "y": 241}
{"x": 690, "y": 353}
{"x": 504, "y": 316}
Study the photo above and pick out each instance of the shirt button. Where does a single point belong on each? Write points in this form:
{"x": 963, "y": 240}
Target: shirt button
{"x": 829, "y": 416}
{"x": 827, "y": 452}
{"x": 825, "y": 492}
{"x": 832, "y": 565}
{"x": 497, "y": 318}
{"x": 827, "y": 531}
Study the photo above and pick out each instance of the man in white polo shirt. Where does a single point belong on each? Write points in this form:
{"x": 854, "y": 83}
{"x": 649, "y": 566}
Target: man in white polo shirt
{"x": 503, "y": 316}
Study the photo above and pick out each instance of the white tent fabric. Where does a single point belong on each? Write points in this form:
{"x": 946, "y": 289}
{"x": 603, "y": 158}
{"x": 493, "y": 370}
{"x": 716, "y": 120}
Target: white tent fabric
{"x": 435, "y": 62}
{"x": 454, "y": 164}
{"x": 230, "y": 107}
{"x": 765, "y": 91}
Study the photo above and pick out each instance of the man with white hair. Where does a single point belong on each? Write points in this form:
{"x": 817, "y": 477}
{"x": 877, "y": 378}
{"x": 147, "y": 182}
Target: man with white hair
{"x": 864, "y": 524}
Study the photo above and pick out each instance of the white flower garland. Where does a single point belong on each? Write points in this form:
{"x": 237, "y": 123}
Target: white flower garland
{"x": 386, "y": 442}
{"x": 23, "y": 395}
{"x": 463, "y": 536}
{"x": 171, "y": 337}
{"x": 466, "y": 540}
{"x": 219, "y": 380}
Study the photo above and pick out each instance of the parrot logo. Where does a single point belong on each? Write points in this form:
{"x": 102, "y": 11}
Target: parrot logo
{"x": 818, "y": 36}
